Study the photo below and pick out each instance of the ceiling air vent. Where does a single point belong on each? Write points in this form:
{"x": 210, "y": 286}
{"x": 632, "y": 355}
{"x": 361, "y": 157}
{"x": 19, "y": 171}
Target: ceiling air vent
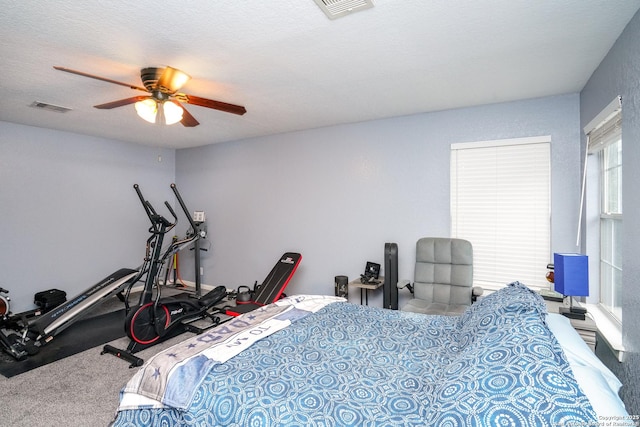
{"x": 337, "y": 8}
{"x": 50, "y": 107}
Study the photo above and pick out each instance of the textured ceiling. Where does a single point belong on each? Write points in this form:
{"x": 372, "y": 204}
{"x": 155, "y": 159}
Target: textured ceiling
{"x": 289, "y": 65}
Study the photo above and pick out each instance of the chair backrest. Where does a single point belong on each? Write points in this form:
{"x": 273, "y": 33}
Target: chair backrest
{"x": 444, "y": 270}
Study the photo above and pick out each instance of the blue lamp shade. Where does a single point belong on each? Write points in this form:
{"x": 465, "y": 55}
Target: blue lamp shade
{"x": 571, "y": 274}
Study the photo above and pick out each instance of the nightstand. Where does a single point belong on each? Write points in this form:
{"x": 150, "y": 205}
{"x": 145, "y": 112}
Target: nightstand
{"x": 366, "y": 287}
{"x": 586, "y": 328}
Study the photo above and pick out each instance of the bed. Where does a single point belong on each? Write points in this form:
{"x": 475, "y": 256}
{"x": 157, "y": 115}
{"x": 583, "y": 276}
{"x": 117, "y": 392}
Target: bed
{"x": 320, "y": 361}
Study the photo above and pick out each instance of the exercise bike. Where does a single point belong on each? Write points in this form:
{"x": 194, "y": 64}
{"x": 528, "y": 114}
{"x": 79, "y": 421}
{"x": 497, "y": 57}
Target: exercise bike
{"x": 156, "y": 318}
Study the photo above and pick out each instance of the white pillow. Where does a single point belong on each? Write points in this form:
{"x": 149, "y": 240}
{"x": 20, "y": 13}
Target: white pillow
{"x": 605, "y": 403}
{"x": 577, "y": 351}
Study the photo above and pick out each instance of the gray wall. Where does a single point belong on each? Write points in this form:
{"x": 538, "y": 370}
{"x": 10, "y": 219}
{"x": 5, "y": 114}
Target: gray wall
{"x": 69, "y": 213}
{"x": 619, "y": 74}
{"x": 337, "y": 194}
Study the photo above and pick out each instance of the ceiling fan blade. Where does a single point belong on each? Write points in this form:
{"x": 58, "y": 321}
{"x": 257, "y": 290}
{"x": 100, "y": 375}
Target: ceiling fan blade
{"x": 121, "y": 102}
{"x": 187, "y": 119}
{"x": 210, "y": 103}
{"x": 171, "y": 80}
{"x": 104, "y": 79}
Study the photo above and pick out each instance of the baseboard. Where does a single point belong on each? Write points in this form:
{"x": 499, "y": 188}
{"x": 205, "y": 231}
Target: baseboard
{"x": 190, "y": 284}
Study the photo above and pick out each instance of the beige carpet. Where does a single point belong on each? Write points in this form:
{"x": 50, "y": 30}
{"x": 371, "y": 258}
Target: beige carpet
{"x": 81, "y": 390}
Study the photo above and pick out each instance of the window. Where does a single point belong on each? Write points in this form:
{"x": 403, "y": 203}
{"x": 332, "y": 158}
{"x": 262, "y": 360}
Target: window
{"x": 500, "y": 202}
{"x": 610, "y": 229}
{"x": 605, "y": 143}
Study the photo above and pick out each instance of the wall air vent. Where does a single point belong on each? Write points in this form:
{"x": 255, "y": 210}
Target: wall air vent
{"x": 337, "y": 8}
{"x": 50, "y": 107}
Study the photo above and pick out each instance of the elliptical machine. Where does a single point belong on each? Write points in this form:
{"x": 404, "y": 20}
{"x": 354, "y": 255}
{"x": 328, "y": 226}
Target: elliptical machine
{"x": 23, "y": 334}
{"x": 156, "y": 318}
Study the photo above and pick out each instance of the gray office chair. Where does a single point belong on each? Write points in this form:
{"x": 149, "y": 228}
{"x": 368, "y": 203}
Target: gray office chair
{"x": 443, "y": 277}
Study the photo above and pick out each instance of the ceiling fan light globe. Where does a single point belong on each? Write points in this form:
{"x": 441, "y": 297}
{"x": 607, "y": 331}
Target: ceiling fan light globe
{"x": 147, "y": 109}
{"x": 173, "y": 79}
{"x": 172, "y": 112}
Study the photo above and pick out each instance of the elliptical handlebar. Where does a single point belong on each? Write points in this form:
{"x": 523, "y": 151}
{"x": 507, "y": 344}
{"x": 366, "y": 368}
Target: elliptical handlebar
{"x": 155, "y": 218}
{"x": 173, "y": 213}
{"x": 184, "y": 207}
{"x": 177, "y": 245}
{"x": 146, "y": 205}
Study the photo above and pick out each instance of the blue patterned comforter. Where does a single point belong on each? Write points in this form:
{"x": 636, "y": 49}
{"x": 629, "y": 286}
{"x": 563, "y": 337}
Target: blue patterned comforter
{"x": 340, "y": 364}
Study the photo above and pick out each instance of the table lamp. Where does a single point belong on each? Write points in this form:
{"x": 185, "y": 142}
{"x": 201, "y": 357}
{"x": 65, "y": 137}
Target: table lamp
{"x": 571, "y": 278}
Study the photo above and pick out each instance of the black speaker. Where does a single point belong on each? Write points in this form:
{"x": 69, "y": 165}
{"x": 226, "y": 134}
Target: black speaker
{"x": 342, "y": 286}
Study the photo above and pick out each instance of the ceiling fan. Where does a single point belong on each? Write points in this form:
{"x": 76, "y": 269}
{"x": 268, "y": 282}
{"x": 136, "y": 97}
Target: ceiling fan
{"x": 163, "y": 104}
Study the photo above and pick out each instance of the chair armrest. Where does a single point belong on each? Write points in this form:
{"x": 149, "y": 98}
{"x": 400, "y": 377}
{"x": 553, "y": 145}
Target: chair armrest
{"x": 404, "y": 284}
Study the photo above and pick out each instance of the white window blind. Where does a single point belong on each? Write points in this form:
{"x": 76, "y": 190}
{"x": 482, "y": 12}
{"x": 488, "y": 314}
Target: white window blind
{"x": 608, "y": 133}
{"x": 500, "y": 203}
{"x": 606, "y": 127}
